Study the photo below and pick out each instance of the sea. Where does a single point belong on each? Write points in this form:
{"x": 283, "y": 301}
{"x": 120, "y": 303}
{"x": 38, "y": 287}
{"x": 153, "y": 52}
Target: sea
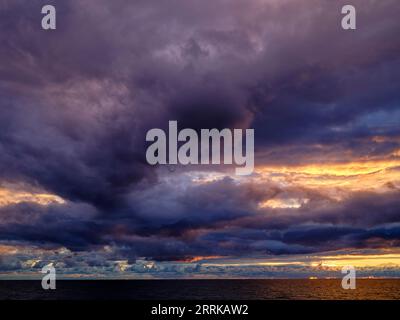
{"x": 251, "y": 289}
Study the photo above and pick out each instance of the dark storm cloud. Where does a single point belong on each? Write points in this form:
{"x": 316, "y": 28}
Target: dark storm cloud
{"x": 76, "y": 104}
{"x": 328, "y": 226}
{"x": 212, "y": 72}
{"x": 70, "y": 225}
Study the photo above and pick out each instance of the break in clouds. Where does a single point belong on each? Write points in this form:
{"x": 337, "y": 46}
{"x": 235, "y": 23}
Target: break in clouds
{"x": 76, "y": 104}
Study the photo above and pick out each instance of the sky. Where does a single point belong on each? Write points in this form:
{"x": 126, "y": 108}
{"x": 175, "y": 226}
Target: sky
{"x": 76, "y": 103}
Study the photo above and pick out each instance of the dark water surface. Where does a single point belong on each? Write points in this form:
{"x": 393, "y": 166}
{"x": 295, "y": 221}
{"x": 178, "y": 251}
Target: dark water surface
{"x": 202, "y": 290}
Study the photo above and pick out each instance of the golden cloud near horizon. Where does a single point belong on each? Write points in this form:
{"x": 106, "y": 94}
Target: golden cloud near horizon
{"x": 335, "y": 180}
{"x": 330, "y": 261}
{"x": 12, "y": 196}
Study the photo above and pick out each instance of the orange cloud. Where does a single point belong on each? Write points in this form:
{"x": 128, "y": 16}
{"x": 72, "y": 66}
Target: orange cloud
{"x": 335, "y": 180}
{"x": 12, "y": 196}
